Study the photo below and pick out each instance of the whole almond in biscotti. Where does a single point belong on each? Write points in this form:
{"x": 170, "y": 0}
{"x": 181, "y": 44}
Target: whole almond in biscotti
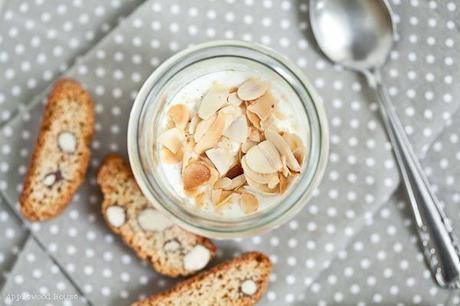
{"x": 167, "y": 247}
{"x": 61, "y": 155}
{"x": 238, "y": 282}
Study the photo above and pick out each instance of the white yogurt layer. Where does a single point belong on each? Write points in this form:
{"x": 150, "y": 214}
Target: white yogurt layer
{"x": 191, "y": 95}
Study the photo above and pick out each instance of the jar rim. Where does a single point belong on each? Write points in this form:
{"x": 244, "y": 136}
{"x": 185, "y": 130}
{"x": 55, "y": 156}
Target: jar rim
{"x": 207, "y": 227}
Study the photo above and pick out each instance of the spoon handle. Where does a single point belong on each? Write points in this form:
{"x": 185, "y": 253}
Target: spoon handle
{"x": 438, "y": 240}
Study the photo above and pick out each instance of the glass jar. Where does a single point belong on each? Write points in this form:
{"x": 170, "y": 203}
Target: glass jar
{"x": 188, "y": 65}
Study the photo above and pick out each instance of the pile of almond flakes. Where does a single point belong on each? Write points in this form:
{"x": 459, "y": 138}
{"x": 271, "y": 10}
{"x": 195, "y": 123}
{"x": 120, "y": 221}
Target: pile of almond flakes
{"x": 230, "y": 146}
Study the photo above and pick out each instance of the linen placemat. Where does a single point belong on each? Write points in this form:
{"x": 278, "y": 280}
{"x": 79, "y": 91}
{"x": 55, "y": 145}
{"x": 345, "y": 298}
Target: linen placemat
{"x": 361, "y": 173}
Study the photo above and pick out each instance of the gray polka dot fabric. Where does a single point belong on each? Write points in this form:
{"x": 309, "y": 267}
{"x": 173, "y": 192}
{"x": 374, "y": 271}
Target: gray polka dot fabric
{"x": 352, "y": 244}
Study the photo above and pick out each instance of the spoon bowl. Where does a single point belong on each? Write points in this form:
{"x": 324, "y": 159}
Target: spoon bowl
{"x": 357, "y": 34}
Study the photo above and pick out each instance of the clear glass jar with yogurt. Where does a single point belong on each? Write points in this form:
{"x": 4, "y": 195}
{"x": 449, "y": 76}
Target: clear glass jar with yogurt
{"x": 184, "y": 79}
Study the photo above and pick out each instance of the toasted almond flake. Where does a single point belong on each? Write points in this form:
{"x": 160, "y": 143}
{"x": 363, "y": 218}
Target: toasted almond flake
{"x": 193, "y": 124}
{"x": 172, "y": 139}
{"x": 233, "y": 99}
{"x": 199, "y": 199}
{"x": 254, "y": 135}
{"x": 263, "y": 106}
{"x": 189, "y": 154}
{"x": 221, "y": 159}
{"x": 232, "y": 110}
{"x": 212, "y": 136}
{"x": 252, "y": 89}
{"x": 191, "y": 193}
{"x": 271, "y": 153}
{"x": 214, "y": 176}
{"x": 224, "y": 200}
{"x": 258, "y": 177}
{"x": 215, "y": 195}
{"x": 283, "y": 183}
{"x": 259, "y": 188}
{"x": 213, "y": 100}
{"x": 283, "y": 147}
{"x": 257, "y": 161}
{"x": 238, "y": 130}
{"x": 235, "y": 183}
{"x": 296, "y": 145}
{"x": 202, "y": 127}
{"x": 249, "y": 203}
{"x": 196, "y": 174}
{"x": 292, "y": 140}
{"x": 171, "y": 158}
{"x": 180, "y": 115}
{"x": 254, "y": 119}
{"x": 247, "y": 145}
{"x": 235, "y": 170}
{"x": 223, "y": 183}
{"x": 299, "y": 156}
{"x": 284, "y": 170}
{"x": 233, "y": 89}
{"x": 273, "y": 182}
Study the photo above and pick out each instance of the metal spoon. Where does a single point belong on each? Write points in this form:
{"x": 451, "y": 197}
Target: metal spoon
{"x": 358, "y": 34}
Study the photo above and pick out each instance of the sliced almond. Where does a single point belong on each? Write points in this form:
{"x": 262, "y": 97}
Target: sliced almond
{"x": 221, "y": 159}
{"x": 263, "y": 106}
{"x": 284, "y": 170}
{"x": 196, "y": 174}
{"x": 212, "y": 136}
{"x": 254, "y": 119}
{"x": 171, "y": 158}
{"x": 296, "y": 145}
{"x": 254, "y": 135}
{"x": 238, "y": 130}
{"x": 259, "y": 188}
{"x": 225, "y": 198}
{"x": 172, "y": 139}
{"x": 199, "y": 199}
{"x": 248, "y": 144}
{"x": 152, "y": 220}
{"x": 213, "y": 100}
{"x": 234, "y": 171}
{"x": 116, "y": 215}
{"x": 249, "y": 203}
{"x": 252, "y": 89}
{"x": 271, "y": 153}
{"x": 248, "y": 287}
{"x": 223, "y": 183}
{"x": 283, "y": 183}
{"x": 283, "y": 147}
{"x": 233, "y": 99}
{"x": 180, "y": 115}
{"x": 258, "y": 177}
{"x": 188, "y": 155}
{"x": 197, "y": 258}
{"x": 214, "y": 176}
{"x": 193, "y": 124}
{"x": 202, "y": 127}
{"x": 67, "y": 142}
{"x": 215, "y": 195}
{"x": 236, "y": 182}
{"x": 273, "y": 182}
{"x": 257, "y": 161}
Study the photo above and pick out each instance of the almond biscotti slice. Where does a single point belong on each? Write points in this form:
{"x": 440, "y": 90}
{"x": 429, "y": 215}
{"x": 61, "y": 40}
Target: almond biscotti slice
{"x": 170, "y": 249}
{"x": 239, "y": 282}
{"x": 61, "y": 155}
